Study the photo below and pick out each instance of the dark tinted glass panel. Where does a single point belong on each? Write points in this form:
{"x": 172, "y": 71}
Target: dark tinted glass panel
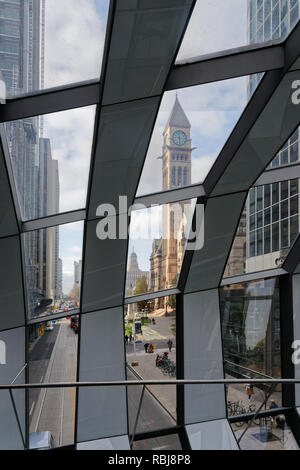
{"x": 251, "y": 340}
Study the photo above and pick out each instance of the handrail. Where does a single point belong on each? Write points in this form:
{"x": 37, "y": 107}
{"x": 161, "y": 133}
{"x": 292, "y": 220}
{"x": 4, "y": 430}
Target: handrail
{"x": 119, "y": 383}
{"x": 252, "y": 371}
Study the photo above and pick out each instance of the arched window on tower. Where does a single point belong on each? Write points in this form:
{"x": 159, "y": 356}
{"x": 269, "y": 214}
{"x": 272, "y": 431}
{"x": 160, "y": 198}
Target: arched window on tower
{"x": 185, "y": 175}
{"x": 179, "y": 181}
{"x": 173, "y": 182}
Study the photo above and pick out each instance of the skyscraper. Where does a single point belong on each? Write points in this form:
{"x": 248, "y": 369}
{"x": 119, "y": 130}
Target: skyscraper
{"x": 48, "y": 239}
{"x": 35, "y": 172}
{"x": 272, "y": 210}
{"x": 270, "y": 221}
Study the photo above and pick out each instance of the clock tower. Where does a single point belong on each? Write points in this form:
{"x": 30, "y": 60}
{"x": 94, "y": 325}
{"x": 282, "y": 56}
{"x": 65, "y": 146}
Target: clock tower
{"x": 177, "y": 150}
{"x": 176, "y": 172}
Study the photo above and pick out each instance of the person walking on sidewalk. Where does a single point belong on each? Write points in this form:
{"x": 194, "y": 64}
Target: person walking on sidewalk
{"x": 170, "y": 344}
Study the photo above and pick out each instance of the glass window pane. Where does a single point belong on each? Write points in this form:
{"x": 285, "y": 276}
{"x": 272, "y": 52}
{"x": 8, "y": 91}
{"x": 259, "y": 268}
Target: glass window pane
{"x": 251, "y": 341}
{"x": 53, "y": 269}
{"x": 150, "y": 342}
{"x": 157, "y": 242}
{"x": 268, "y": 433}
{"x": 52, "y": 357}
{"x": 45, "y": 44}
{"x": 161, "y": 443}
{"x": 211, "y": 435}
{"x": 216, "y": 26}
{"x": 294, "y": 228}
{"x": 284, "y": 233}
{"x": 193, "y": 123}
{"x": 264, "y": 244}
{"x": 51, "y": 163}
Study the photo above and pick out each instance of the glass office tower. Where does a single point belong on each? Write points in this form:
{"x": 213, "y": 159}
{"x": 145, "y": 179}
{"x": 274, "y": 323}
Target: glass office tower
{"x": 272, "y": 210}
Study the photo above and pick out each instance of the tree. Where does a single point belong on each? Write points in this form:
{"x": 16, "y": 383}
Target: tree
{"x": 172, "y": 298}
{"x": 141, "y": 287}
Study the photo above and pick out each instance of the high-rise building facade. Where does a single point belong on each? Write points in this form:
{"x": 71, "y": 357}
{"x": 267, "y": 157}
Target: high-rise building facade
{"x": 48, "y": 277}
{"x": 272, "y": 210}
{"x": 270, "y": 221}
{"x": 35, "y": 172}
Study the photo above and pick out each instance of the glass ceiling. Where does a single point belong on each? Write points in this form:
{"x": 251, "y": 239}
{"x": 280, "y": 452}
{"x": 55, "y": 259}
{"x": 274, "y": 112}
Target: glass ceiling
{"x": 66, "y": 49}
{"x": 216, "y": 26}
{"x": 192, "y": 127}
{"x": 50, "y": 158}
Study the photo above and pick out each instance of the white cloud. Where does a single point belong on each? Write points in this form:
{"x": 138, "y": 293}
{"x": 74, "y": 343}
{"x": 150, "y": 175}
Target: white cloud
{"x": 71, "y": 135}
{"x": 75, "y": 33}
{"x": 215, "y": 26}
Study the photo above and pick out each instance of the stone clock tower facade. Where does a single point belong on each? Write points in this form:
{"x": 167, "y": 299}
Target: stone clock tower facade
{"x": 176, "y": 172}
{"x": 177, "y": 150}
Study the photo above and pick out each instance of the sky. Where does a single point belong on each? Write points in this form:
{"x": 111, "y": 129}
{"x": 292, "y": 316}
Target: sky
{"x": 74, "y": 40}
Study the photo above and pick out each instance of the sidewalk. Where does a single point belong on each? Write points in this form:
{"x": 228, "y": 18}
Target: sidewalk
{"x": 147, "y": 369}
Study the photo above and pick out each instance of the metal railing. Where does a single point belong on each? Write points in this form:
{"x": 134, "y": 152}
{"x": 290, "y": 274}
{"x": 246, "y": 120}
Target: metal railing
{"x": 143, "y": 384}
{"x": 118, "y": 383}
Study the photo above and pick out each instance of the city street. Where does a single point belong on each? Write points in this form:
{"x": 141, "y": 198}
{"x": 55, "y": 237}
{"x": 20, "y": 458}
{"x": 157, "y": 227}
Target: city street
{"x": 53, "y": 359}
{"x": 158, "y": 335}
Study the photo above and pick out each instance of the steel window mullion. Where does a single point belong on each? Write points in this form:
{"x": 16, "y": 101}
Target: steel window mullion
{"x": 223, "y": 66}
{"x": 51, "y": 101}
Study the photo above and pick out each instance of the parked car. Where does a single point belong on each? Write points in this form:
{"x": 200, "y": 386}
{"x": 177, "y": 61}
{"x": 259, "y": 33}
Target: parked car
{"x": 49, "y": 326}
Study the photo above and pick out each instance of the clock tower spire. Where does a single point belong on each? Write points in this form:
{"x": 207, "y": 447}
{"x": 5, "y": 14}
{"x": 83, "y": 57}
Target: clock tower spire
{"x": 177, "y": 149}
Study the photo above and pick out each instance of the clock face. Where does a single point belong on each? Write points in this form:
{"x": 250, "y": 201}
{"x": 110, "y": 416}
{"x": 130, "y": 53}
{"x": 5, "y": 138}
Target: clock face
{"x": 179, "y": 138}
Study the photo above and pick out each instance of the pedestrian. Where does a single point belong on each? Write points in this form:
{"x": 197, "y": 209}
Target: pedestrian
{"x": 249, "y": 390}
{"x": 170, "y": 344}
{"x": 146, "y": 347}
{"x": 126, "y": 339}
{"x": 130, "y": 338}
{"x": 273, "y": 405}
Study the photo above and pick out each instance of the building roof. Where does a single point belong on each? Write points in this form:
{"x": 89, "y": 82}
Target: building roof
{"x": 178, "y": 117}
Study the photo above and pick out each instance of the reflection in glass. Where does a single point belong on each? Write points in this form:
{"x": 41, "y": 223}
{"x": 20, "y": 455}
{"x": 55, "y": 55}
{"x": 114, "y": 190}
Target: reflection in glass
{"x": 268, "y": 433}
{"x": 51, "y": 163}
{"x": 216, "y": 26}
{"x": 157, "y": 242}
{"x": 251, "y": 341}
{"x": 53, "y": 269}
{"x": 150, "y": 342}
{"x": 43, "y": 43}
{"x": 52, "y": 357}
{"x": 191, "y": 129}
{"x": 162, "y": 443}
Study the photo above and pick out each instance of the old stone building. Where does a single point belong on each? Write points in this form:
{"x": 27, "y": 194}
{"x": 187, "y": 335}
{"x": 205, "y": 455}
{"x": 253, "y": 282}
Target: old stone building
{"x": 167, "y": 252}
